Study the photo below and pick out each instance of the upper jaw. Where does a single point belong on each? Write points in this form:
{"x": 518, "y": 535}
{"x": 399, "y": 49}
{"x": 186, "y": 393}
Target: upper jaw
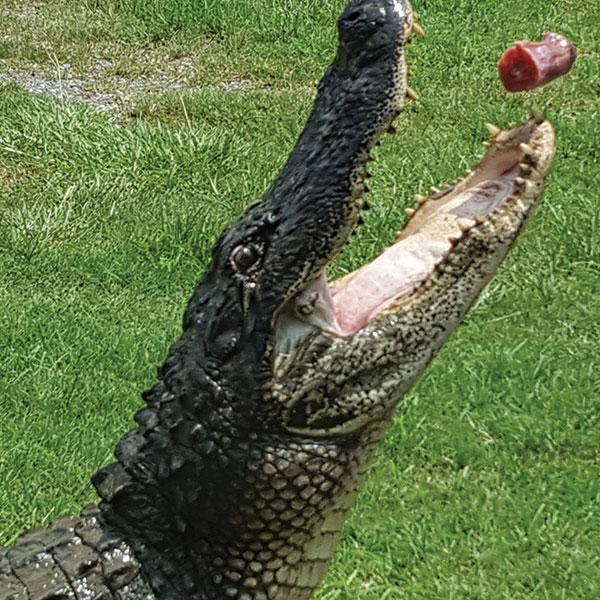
{"x": 317, "y": 197}
{"x": 498, "y": 194}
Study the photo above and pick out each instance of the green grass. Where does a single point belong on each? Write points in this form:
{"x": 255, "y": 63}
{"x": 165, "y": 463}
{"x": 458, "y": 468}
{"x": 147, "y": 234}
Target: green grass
{"x": 488, "y": 484}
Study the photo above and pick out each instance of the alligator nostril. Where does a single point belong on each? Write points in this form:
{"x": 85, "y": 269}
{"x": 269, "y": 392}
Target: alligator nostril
{"x": 353, "y": 16}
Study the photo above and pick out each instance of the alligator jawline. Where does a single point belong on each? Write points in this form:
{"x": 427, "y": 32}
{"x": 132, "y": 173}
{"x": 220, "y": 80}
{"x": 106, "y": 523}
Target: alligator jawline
{"x": 343, "y": 307}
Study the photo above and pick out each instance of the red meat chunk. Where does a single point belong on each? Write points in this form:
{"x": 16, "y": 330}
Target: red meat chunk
{"x": 528, "y": 65}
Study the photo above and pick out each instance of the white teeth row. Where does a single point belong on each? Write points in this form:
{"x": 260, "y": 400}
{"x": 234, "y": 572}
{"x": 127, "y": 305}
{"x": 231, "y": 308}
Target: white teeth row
{"x": 465, "y": 224}
{"x": 495, "y": 131}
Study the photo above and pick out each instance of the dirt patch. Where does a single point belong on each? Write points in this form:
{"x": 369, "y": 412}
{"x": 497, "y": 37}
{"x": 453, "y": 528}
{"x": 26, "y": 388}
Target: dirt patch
{"x": 13, "y": 176}
{"x": 106, "y": 90}
{"x": 23, "y": 13}
{"x": 68, "y": 52}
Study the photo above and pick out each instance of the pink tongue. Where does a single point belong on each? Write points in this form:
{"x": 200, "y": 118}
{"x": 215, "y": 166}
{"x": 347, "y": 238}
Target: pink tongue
{"x": 423, "y": 244}
{"x": 394, "y": 273}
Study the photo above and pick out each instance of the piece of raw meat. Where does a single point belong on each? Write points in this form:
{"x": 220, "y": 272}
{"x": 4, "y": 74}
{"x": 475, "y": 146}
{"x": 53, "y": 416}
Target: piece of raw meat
{"x": 528, "y": 65}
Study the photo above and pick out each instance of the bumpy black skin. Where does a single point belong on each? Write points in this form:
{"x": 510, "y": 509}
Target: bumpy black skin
{"x": 211, "y": 497}
{"x": 77, "y": 557}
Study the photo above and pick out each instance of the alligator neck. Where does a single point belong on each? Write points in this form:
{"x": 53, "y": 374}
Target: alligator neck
{"x": 213, "y": 512}
{"x": 165, "y": 492}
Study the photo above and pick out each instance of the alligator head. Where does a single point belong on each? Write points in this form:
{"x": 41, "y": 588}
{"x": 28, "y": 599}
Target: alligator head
{"x": 259, "y": 432}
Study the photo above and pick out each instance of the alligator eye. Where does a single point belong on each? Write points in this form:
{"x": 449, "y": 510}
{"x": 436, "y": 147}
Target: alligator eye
{"x": 243, "y": 257}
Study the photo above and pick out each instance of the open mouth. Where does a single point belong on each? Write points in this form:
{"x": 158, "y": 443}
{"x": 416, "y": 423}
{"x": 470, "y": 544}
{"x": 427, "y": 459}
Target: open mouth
{"x": 516, "y": 162}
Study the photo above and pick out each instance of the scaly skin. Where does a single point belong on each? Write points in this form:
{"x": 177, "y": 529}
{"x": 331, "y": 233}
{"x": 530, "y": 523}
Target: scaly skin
{"x": 75, "y": 558}
{"x": 259, "y": 432}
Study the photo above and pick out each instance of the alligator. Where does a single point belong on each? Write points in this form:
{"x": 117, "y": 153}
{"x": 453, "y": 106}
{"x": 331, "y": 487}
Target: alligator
{"x": 254, "y": 441}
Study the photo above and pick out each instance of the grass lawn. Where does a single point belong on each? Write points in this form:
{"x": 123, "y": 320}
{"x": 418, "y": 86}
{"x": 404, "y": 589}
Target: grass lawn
{"x": 488, "y": 484}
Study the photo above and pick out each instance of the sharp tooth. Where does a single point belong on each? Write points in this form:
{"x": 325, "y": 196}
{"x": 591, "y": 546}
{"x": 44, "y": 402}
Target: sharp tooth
{"x": 454, "y": 238}
{"x": 487, "y": 144}
{"x": 535, "y": 115}
{"x": 512, "y": 125}
{"x": 417, "y": 29}
{"x": 420, "y": 199}
{"x": 479, "y": 219}
{"x": 525, "y": 167}
{"x": 409, "y": 212}
{"x": 526, "y": 149}
{"x": 411, "y": 93}
{"x": 279, "y": 365}
{"x": 520, "y": 181}
{"x": 434, "y": 190}
{"x": 494, "y": 131}
{"x": 465, "y": 224}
